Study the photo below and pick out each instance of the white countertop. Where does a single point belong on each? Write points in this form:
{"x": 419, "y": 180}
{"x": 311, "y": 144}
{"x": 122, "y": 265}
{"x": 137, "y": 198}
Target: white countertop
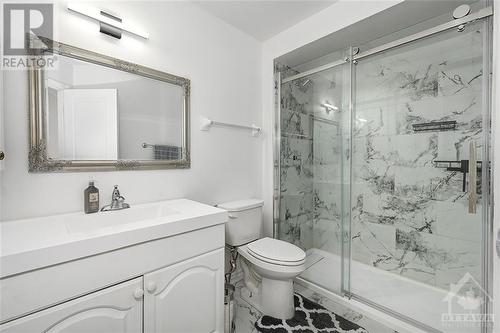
{"x": 39, "y": 242}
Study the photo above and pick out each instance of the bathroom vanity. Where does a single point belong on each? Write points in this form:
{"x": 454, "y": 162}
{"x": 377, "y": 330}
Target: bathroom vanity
{"x": 155, "y": 267}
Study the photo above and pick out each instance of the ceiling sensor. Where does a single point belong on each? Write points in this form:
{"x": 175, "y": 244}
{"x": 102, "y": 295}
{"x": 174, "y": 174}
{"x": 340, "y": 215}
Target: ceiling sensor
{"x": 461, "y": 11}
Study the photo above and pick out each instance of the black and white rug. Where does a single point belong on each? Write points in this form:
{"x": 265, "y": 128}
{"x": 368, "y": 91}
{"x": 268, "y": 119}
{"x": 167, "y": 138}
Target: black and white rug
{"x": 310, "y": 317}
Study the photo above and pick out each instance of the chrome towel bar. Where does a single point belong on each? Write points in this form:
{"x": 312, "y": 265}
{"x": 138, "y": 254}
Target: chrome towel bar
{"x": 206, "y": 124}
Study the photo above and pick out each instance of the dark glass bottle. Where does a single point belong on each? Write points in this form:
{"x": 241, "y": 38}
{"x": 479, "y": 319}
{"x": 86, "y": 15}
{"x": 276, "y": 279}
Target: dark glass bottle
{"x": 91, "y": 198}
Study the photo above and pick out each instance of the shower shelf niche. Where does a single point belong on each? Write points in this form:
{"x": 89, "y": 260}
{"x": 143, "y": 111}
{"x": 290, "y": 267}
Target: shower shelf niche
{"x": 450, "y": 125}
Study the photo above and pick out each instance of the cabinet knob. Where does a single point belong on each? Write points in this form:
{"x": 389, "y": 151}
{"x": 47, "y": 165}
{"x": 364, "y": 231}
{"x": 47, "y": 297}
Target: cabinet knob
{"x": 138, "y": 293}
{"x": 151, "y": 286}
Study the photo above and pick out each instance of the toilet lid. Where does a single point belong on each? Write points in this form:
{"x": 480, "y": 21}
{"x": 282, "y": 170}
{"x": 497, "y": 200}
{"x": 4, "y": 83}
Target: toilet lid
{"x": 276, "y": 251}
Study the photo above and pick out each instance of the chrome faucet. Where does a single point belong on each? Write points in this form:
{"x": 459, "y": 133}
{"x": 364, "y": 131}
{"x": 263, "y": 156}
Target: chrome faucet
{"x": 117, "y": 201}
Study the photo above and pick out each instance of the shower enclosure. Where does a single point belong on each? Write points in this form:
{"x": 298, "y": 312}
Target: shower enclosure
{"x": 383, "y": 174}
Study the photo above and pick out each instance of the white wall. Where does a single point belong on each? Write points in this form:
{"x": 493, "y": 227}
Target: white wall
{"x": 2, "y": 147}
{"x": 2, "y": 100}
{"x": 496, "y": 161}
{"x": 329, "y": 20}
{"x": 224, "y": 67}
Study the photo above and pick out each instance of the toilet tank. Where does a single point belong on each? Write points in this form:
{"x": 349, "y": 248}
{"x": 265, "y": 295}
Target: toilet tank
{"x": 245, "y": 221}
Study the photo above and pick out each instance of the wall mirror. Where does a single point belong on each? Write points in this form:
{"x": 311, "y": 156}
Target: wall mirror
{"x": 91, "y": 112}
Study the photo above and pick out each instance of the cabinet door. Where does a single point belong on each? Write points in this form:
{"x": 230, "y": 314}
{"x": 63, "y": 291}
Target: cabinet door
{"x": 116, "y": 309}
{"x": 186, "y": 297}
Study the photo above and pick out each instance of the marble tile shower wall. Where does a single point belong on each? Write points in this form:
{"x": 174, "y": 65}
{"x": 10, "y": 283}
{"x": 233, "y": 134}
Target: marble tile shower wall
{"x": 310, "y": 162}
{"x": 296, "y": 208}
{"x": 327, "y": 159}
{"x": 409, "y": 217}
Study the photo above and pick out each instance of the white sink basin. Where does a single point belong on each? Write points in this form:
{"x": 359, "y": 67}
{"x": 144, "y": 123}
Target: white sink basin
{"x": 38, "y": 242}
{"x": 118, "y": 218}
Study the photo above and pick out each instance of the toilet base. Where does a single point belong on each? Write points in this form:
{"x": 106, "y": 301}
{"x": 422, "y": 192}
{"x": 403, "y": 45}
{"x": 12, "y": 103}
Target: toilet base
{"x": 277, "y": 298}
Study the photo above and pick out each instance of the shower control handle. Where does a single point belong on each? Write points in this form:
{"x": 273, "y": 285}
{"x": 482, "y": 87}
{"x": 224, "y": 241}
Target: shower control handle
{"x": 472, "y": 177}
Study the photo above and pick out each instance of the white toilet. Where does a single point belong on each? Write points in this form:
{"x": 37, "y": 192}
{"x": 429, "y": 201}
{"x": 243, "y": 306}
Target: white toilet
{"x": 269, "y": 265}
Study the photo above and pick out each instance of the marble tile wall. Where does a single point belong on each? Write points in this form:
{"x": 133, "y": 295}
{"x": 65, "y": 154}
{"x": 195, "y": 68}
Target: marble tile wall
{"x": 310, "y": 161}
{"x": 296, "y": 209}
{"x": 328, "y": 148}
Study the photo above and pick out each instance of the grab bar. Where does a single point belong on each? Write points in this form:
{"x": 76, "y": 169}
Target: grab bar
{"x": 472, "y": 177}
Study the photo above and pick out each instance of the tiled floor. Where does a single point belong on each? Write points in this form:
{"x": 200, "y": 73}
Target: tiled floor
{"x": 371, "y": 325}
{"x": 246, "y": 315}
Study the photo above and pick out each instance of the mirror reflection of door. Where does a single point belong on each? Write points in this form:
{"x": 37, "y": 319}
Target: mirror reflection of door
{"x": 81, "y": 120}
{"x": 87, "y": 124}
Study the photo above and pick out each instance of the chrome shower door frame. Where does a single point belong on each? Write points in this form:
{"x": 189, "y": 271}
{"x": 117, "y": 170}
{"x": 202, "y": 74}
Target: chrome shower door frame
{"x": 484, "y": 14}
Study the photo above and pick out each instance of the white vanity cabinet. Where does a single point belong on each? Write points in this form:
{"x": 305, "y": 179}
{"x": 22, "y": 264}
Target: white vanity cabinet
{"x": 116, "y": 309}
{"x": 186, "y": 297}
{"x": 163, "y": 274}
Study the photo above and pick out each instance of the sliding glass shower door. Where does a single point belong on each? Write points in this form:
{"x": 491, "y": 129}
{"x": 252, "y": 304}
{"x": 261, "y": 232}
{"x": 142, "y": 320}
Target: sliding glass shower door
{"x": 384, "y": 176}
{"x": 312, "y": 112}
{"x": 419, "y": 179}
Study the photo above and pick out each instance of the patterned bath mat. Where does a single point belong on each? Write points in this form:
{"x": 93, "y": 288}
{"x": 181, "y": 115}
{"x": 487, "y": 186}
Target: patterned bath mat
{"x": 309, "y": 317}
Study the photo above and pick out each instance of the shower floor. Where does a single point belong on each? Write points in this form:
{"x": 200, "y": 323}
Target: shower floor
{"x": 413, "y": 299}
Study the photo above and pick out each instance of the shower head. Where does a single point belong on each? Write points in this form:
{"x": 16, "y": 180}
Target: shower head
{"x": 329, "y": 107}
{"x": 304, "y": 84}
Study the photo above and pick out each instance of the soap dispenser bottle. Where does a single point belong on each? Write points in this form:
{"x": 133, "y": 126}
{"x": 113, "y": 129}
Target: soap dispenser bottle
{"x": 91, "y": 197}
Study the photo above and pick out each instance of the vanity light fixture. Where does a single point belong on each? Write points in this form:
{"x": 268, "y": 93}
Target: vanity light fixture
{"x": 109, "y": 24}
{"x": 329, "y": 107}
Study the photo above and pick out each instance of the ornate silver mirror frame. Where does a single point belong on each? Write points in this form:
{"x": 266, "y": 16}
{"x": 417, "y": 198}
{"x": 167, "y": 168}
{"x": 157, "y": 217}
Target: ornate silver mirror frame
{"x": 38, "y": 158}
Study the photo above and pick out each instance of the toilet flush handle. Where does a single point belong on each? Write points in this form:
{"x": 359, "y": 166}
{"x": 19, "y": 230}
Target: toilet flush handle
{"x": 233, "y": 215}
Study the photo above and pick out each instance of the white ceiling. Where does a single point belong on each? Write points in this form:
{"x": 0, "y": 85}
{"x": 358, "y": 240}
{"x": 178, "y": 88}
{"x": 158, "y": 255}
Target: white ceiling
{"x": 263, "y": 19}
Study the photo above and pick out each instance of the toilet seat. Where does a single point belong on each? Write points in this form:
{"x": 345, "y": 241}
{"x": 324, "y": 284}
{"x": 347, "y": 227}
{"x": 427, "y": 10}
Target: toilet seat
{"x": 276, "y": 252}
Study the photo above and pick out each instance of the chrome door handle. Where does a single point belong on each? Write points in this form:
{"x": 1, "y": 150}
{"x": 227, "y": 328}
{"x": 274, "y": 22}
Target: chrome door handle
{"x": 472, "y": 177}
